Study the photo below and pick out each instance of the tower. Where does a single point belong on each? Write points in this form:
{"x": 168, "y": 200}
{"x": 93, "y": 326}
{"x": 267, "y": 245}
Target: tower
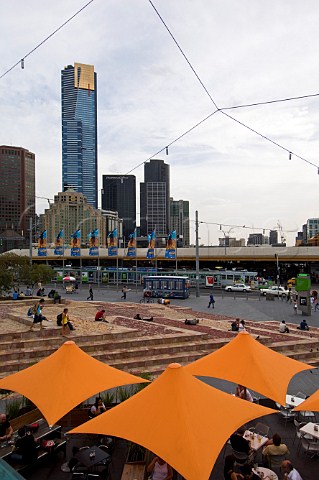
{"x": 17, "y": 193}
{"x": 154, "y": 198}
{"x": 119, "y": 195}
{"x": 79, "y": 130}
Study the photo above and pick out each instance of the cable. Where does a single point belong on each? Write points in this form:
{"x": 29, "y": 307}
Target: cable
{"x": 221, "y": 110}
{"x": 269, "y": 102}
{"x": 47, "y": 38}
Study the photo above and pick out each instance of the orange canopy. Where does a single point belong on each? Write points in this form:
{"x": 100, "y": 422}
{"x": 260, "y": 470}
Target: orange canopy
{"x": 180, "y": 418}
{"x": 246, "y": 361}
{"x": 311, "y": 403}
{"x": 64, "y": 379}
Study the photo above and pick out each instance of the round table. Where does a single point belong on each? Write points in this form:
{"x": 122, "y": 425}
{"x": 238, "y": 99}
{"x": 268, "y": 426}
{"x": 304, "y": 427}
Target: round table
{"x": 266, "y": 473}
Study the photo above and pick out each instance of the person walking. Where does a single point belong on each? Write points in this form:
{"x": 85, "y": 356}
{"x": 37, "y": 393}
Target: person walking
{"x": 124, "y": 292}
{"x": 211, "y": 301}
{"x": 90, "y": 297}
{"x": 36, "y": 312}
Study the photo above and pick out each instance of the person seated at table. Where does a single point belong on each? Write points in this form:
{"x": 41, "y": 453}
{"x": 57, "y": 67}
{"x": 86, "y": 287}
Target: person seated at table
{"x": 274, "y": 447}
{"x": 159, "y": 469}
{"x": 239, "y": 443}
{"x": 289, "y": 471}
{"x": 100, "y": 316}
{"x": 25, "y": 449}
{"x": 6, "y": 431}
{"x": 97, "y": 408}
{"x": 283, "y": 327}
{"x": 244, "y": 393}
{"x": 248, "y": 473}
{"x": 303, "y": 325}
{"x": 229, "y": 468}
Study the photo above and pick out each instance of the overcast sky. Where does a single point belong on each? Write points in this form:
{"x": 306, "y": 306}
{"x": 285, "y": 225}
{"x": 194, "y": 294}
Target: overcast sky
{"x": 243, "y": 51}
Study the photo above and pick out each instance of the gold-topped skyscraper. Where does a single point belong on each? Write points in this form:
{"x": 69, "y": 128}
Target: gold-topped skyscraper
{"x": 79, "y": 130}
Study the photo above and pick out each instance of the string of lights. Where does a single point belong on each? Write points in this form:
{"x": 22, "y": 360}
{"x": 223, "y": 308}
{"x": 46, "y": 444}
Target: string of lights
{"x": 222, "y": 110}
{"x": 21, "y": 61}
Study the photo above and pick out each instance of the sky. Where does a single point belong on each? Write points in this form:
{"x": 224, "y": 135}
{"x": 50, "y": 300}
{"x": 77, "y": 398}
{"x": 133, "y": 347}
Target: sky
{"x": 148, "y": 96}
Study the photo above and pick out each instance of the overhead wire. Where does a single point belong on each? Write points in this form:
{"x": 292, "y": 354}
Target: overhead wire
{"x": 265, "y": 137}
{"x": 47, "y": 38}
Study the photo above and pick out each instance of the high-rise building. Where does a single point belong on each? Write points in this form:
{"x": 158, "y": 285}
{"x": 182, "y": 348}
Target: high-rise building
{"x": 273, "y": 237}
{"x": 17, "y": 192}
{"x": 79, "y": 130}
{"x": 312, "y": 227}
{"x": 179, "y": 221}
{"x": 70, "y": 212}
{"x": 154, "y": 198}
{"x": 119, "y": 194}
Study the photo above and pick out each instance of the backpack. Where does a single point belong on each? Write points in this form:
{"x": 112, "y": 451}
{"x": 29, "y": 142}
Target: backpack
{"x": 59, "y": 320}
{"x": 32, "y": 310}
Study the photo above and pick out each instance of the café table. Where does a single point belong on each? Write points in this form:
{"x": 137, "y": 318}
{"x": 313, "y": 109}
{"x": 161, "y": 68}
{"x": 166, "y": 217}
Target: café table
{"x": 311, "y": 428}
{"x": 292, "y": 401}
{"x": 265, "y": 473}
{"x": 89, "y": 457}
{"x": 256, "y": 441}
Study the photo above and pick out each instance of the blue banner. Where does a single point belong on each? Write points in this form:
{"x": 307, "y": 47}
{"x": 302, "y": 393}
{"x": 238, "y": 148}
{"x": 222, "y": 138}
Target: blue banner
{"x": 171, "y": 245}
{"x": 58, "y": 250}
{"x": 151, "y": 245}
{"x": 76, "y": 243}
{"x": 112, "y": 243}
{"x": 94, "y": 242}
{"x": 131, "y": 246}
{"x": 42, "y": 244}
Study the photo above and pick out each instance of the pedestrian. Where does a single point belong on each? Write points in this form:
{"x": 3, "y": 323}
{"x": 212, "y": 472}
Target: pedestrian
{"x": 124, "y": 292}
{"x": 90, "y": 297}
{"x": 211, "y": 301}
{"x": 289, "y": 471}
{"x": 241, "y": 326}
{"x": 295, "y": 307}
{"x": 36, "y": 312}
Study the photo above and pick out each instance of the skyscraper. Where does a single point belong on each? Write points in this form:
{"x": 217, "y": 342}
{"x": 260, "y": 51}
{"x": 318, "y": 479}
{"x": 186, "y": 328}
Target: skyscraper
{"x": 17, "y": 193}
{"x": 179, "y": 211}
{"x": 154, "y": 198}
{"x": 119, "y": 195}
{"x": 79, "y": 130}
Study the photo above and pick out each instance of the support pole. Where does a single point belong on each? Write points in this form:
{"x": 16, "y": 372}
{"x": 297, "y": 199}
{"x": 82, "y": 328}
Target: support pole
{"x": 197, "y": 254}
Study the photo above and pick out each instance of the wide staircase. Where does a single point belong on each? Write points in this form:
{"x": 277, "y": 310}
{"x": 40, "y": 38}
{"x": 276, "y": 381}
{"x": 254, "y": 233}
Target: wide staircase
{"x": 132, "y": 352}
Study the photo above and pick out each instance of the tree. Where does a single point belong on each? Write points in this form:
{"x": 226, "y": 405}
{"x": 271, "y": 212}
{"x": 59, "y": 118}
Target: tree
{"x": 17, "y": 270}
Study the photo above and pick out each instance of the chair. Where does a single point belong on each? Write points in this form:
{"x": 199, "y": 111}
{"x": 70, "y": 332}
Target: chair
{"x": 274, "y": 461}
{"x": 241, "y": 457}
{"x": 78, "y": 476}
{"x": 287, "y": 414}
{"x": 93, "y": 476}
{"x": 311, "y": 447}
{"x": 84, "y": 448}
{"x": 262, "y": 429}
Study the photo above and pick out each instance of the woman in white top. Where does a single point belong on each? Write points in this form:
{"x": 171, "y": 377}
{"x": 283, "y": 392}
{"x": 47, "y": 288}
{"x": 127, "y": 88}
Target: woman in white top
{"x": 244, "y": 393}
{"x": 98, "y": 407}
{"x": 159, "y": 469}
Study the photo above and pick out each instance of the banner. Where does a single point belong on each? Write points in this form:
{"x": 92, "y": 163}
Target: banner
{"x": 42, "y": 244}
{"x": 58, "y": 250}
{"x": 94, "y": 242}
{"x": 112, "y": 243}
{"x": 131, "y": 246}
{"x": 151, "y": 245}
{"x": 76, "y": 243}
{"x": 171, "y": 245}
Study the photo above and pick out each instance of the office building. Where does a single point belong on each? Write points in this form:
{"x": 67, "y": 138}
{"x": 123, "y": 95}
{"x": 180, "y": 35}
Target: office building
{"x": 179, "y": 221}
{"x": 312, "y": 227}
{"x": 154, "y": 199}
{"x": 79, "y": 130}
{"x": 119, "y": 195}
{"x": 257, "y": 239}
{"x": 17, "y": 194}
{"x": 70, "y": 212}
{"x": 273, "y": 237}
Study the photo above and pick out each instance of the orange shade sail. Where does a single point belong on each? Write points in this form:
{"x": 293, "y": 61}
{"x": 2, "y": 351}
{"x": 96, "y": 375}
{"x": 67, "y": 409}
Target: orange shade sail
{"x": 64, "y": 379}
{"x": 311, "y": 403}
{"x": 246, "y": 361}
{"x": 179, "y": 418}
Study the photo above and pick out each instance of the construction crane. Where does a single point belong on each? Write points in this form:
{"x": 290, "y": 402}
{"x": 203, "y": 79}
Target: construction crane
{"x": 46, "y": 198}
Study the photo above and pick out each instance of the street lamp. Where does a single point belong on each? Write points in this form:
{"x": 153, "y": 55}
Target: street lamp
{"x": 226, "y": 232}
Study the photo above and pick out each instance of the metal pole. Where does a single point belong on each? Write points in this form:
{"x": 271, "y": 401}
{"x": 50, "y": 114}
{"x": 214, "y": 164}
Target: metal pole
{"x": 197, "y": 254}
{"x": 30, "y": 239}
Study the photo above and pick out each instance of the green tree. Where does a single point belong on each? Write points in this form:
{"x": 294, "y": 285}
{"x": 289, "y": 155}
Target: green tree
{"x": 16, "y": 270}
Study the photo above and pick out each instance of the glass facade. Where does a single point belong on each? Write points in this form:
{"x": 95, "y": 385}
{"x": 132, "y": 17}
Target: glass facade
{"x": 119, "y": 195}
{"x": 179, "y": 211}
{"x": 79, "y": 130}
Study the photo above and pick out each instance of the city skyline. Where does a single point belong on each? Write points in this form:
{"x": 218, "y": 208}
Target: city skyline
{"x": 148, "y": 97}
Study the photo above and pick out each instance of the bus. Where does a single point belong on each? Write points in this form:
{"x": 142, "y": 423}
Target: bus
{"x": 167, "y": 286}
{"x": 222, "y": 278}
